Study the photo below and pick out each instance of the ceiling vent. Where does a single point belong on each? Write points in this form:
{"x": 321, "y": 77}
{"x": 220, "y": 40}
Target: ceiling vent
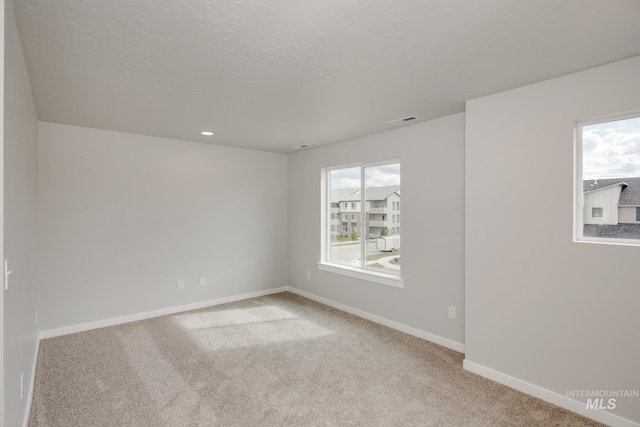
{"x": 402, "y": 120}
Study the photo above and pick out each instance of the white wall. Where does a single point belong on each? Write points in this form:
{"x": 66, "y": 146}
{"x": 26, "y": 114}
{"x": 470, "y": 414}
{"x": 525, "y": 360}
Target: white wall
{"x": 123, "y": 217}
{"x": 20, "y": 223}
{"x": 432, "y": 168}
{"x": 2, "y": 73}
{"x": 541, "y": 308}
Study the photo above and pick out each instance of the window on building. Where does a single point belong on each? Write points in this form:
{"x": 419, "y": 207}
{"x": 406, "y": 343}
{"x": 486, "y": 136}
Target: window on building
{"x": 371, "y": 252}
{"x": 608, "y": 180}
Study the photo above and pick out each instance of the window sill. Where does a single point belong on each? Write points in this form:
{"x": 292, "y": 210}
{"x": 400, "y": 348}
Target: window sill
{"x": 608, "y": 241}
{"x": 357, "y": 273}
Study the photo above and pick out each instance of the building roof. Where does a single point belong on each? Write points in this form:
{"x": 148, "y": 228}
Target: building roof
{"x": 630, "y": 194}
{"x": 373, "y": 193}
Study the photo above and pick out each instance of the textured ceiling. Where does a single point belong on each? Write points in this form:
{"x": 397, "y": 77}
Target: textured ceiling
{"x": 274, "y": 74}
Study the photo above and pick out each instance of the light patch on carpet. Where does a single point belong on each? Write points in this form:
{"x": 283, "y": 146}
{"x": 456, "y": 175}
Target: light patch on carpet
{"x": 176, "y": 402}
{"x": 222, "y": 318}
{"x": 248, "y": 327}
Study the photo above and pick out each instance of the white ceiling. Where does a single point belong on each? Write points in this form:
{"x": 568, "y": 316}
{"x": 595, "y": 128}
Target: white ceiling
{"x": 273, "y": 74}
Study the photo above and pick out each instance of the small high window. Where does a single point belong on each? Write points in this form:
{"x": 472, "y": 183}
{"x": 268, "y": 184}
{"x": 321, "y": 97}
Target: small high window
{"x": 608, "y": 180}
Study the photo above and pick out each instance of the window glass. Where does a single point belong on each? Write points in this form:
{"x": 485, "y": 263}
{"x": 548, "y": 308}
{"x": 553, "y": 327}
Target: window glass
{"x": 369, "y": 242}
{"x": 382, "y": 189}
{"x": 344, "y": 184}
{"x": 609, "y": 185}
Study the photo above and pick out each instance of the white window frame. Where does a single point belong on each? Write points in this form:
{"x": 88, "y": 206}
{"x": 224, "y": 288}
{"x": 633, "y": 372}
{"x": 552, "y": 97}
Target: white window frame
{"x": 393, "y": 280}
{"x": 578, "y": 196}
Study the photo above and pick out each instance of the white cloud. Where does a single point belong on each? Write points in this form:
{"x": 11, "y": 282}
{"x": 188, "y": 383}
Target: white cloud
{"x": 376, "y": 176}
{"x": 380, "y": 176}
{"x": 345, "y": 178}
{"x": 611, "y": 150}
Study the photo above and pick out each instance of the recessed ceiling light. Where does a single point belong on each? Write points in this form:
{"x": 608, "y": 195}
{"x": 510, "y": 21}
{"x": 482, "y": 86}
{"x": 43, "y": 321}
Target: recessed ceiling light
{"x": 207, "y": 133}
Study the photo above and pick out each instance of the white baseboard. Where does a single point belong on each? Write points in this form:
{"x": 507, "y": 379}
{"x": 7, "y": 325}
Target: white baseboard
{"x": 32, "y": 384}
{"x": 549, "y": 396}
{"x": 50, "y": 333}
{"x": 453, "y": 345}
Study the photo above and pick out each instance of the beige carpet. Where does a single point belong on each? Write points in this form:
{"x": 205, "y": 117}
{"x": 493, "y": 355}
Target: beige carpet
{"x": 280, "y": 360}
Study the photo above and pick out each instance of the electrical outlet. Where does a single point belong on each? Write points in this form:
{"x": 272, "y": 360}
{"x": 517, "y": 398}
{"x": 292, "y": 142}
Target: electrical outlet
{"x": 452, "y": 312}
{"x": 180, "y": 285}
{"x": 203, "y": 281}
{"x": 308, "y": 274}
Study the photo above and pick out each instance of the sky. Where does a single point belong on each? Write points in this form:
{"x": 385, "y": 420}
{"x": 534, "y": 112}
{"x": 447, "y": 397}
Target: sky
{"x": 375, "y": 176}
{"x": 611, "y": 150}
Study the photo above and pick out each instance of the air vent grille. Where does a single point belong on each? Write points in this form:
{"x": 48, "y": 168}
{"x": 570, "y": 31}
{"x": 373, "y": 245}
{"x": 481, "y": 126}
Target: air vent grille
{"x": 402, "y": 120}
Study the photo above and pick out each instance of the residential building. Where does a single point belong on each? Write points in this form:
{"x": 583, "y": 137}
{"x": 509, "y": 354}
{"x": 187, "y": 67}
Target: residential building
{"x": 382, "y": 210}
{"x": 612, "y": 201}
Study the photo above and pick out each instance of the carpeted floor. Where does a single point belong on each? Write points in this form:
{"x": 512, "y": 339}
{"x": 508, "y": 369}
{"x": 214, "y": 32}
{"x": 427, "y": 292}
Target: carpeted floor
{"x": 280, "y": 360}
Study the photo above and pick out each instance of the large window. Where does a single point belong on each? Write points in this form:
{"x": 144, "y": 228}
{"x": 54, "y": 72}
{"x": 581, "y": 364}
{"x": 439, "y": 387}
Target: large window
{"x": 608, "y": 180}
{"x": 369, "y": 245}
